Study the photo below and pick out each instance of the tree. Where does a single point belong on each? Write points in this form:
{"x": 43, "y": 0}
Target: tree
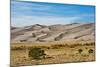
{"x": 36, "y": 53}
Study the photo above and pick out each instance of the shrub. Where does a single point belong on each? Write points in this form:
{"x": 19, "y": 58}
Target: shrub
{"x": 88, "y": 44}
{"x": 48, "y": 48}
{"x": 80, "y": 51}
{"x": 36, "y": 53}
{"x": 93, "y": 43}
{"x": 54, "y": 47}
{"x": 18, "y": 48}
{"x": 90, "y": 51}
{"x": 57, "y": 46}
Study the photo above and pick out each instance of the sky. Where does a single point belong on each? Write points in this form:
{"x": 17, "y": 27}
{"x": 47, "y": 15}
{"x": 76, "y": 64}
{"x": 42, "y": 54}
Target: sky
{"x": 30, "y": 13}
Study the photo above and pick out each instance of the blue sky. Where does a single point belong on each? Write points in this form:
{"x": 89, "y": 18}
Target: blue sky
{"x": 29, "y": 13}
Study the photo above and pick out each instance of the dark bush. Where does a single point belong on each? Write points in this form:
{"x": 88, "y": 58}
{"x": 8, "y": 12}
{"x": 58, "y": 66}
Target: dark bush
{"x": 91, "y": 51}
{"x": 36, "y": 53}
{"x": 18, "y": 48}
{"x": 48, "y": 48}
{"x": 80, "y": 51}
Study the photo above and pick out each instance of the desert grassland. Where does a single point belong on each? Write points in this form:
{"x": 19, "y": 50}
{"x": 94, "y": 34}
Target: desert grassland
{"x": 57, "y": 52}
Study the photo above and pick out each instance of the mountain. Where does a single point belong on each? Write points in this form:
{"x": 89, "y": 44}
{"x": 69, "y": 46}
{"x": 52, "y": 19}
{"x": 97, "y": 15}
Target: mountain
{"x": 58, "y": 32}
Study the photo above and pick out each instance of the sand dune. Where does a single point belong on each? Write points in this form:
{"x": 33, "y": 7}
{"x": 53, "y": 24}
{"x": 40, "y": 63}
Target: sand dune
{"x": 43, "y": 33}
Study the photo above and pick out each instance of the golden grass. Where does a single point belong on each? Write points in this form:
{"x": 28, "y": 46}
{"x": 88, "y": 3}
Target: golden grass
{"x": 55, "y": 53}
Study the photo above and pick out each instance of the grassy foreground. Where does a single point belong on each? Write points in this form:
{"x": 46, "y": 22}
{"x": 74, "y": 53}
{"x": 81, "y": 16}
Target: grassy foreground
{"x": 55, "y": 53}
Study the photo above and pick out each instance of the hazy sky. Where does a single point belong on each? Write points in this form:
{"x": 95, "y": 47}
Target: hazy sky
{"x": 29, "y": 13}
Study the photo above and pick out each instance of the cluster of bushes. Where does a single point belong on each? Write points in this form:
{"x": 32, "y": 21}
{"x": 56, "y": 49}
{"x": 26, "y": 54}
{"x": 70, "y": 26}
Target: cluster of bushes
{"x": 80, "y": 44}
{"x": 36, "y": 53}
{"x": 18, "y": 48}
{"x": 57, "y": 46}
{"x": 28, "y": 47}
{"x": 88, "y": 44}
{"x": 74, "y": 45}
{"x": 90, "y": 51}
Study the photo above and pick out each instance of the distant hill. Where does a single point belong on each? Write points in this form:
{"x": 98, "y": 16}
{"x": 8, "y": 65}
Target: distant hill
{"x": 58, "y": 32}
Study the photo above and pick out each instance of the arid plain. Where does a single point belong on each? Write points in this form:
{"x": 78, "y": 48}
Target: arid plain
{"x": 67, "y": 43}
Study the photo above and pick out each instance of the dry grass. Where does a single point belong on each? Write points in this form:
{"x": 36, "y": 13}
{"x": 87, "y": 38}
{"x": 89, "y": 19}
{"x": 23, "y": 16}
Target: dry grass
{"x": 55, "y": 53}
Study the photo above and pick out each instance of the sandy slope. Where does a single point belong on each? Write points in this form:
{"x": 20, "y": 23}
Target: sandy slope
{"x": 42, "y": 33}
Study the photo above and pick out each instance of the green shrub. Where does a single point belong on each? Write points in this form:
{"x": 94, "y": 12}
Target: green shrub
{"x": 80, "y": 51}
{"x": 36, "y": 53}
{"x": 90, "y": 51}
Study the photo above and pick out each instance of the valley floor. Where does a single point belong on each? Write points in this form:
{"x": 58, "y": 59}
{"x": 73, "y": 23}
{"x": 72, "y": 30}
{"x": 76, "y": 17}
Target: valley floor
{"x": 57, "y": 53}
